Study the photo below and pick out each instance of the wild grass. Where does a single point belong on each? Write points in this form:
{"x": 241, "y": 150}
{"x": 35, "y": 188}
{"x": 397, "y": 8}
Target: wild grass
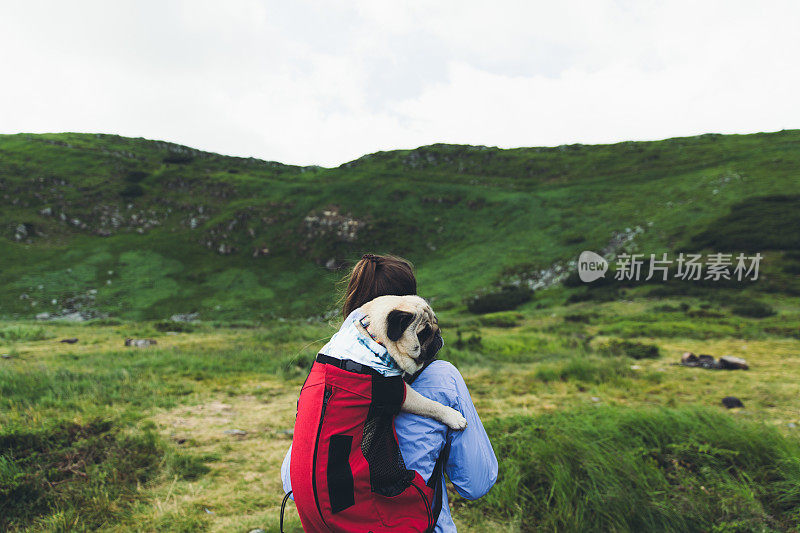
{"x": 587, "y": 370}
{"x": 586, "y": 441}
{"x": 17, "y": 333}
{"x": 607, "y": 469}
{"x": 79, "y": 476}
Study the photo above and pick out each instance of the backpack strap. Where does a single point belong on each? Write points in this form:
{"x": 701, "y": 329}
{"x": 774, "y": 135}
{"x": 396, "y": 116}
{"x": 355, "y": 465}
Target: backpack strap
{"x": 409, "y": 378}
{"x": 283, "y": 507}
{"x": 435, "y": 482}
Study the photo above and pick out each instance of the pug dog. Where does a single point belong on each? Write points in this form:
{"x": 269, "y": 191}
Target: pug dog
{"x": 407, "y": 327}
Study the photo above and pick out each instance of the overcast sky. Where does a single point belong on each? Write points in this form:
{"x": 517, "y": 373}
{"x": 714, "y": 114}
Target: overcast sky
{"x": 326, "y": 82}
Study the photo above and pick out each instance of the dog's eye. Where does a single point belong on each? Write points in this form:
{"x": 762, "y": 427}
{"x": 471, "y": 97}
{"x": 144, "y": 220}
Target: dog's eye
{"x": 424, "y": 334}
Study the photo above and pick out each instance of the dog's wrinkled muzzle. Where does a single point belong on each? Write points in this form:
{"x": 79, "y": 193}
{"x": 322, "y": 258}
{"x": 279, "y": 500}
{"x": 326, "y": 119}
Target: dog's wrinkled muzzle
{"x": 433, "y": 347}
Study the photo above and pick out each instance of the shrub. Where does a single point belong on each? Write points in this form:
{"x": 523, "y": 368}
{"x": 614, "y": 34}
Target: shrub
{"x": 132, "y": 190}
{"x": 792, "y": 268}
{"x": 509, "y": 297}
{"x": 605, "y": 294}
{"x": 580, "y": 317}
{"x": 135, "y": 176}
{"x": 755, "y": 224}
{"x": 704, "y": 313}
{"x": 169, "y": 325}
{"x": 635, "y": 350}
{"x": 783, "y": 331}
{"x": 753, "y": 309}
{"x": 573, "y": 238}
{"x": 666, "y": 308}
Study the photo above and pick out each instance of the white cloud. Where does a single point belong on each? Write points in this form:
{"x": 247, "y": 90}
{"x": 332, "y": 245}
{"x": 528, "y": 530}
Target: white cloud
{"x": 322, "y": 82}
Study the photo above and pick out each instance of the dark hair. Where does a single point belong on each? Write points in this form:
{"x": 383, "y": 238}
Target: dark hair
{"x": 378, "y": 275}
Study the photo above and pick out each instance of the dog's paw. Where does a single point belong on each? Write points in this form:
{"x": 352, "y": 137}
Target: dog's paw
{"x": 454, "y": 419}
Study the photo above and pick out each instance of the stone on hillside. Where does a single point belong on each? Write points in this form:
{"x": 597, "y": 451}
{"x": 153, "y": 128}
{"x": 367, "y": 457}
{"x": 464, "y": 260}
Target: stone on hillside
{"x": 260, "y": 251}
{"x": 726, "y": 362}
{"x": 75, "y": 316}
{"x": 185, "y": 317}
{"x": 732, "y": 402}
{"x": 140, "y": 343}
{"x": 239, "y": 432}
{"x": 706, "y": 361}
{"x": 43, "y": 316}
{"x": 730, "y": 362}
{"x": 72, "y": 340}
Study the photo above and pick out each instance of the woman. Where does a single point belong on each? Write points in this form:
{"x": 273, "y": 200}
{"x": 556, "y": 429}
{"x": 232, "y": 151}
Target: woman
{"x": 470, "y": 461}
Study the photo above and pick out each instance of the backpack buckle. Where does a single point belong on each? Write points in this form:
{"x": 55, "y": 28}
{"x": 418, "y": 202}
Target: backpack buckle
{"x": 352, "y": 366}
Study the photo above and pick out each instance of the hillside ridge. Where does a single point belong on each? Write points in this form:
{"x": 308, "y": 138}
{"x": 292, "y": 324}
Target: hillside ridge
{"x": 104, "y": 219}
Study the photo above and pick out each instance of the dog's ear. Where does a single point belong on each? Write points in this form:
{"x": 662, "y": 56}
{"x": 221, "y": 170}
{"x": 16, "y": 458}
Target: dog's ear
{"x": 396, "y": 323}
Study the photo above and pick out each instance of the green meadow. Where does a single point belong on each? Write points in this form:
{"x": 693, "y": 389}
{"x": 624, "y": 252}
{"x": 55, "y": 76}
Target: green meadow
{"x": 231, "y": 265}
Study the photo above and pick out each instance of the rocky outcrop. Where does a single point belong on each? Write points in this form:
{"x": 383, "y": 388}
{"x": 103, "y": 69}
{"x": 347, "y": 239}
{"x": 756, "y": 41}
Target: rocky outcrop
{"x": 329, "y": 223}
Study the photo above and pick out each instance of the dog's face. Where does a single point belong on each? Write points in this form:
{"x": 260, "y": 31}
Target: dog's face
{"x": 407, "y": 327}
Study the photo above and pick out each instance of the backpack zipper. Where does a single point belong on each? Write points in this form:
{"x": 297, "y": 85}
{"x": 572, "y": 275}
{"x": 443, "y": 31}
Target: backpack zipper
{"x": 326, "y": 396}
{"x": 428, "y": 508}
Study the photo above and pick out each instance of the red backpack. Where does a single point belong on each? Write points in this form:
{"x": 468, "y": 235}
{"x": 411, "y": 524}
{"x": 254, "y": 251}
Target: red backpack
{"x": 346, "y": 469}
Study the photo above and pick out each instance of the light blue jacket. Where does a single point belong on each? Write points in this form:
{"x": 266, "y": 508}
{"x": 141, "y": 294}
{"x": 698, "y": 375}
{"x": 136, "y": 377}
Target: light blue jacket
{"x": 472, "y": 465}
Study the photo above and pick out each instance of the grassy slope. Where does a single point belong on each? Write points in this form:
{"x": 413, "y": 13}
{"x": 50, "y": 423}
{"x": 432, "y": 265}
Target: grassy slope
{"x": 467, "y": 216}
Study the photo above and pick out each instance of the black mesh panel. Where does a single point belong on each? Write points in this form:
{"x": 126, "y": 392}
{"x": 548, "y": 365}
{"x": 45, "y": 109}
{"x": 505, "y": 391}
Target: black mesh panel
{"x": 388, "y": 475}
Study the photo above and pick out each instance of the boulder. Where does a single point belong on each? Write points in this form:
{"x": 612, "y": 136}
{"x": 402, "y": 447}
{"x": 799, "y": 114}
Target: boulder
{"x": 726, "y": 362}
{"x": 185, "y": 317}
{"x": 706, "y": 361}
{"x": 729, "y": 362}
{"x": 140, "y": 343}
{"x": 732, "y": 402}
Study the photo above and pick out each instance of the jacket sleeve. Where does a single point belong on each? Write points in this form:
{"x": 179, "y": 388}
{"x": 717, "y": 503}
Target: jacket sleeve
{"x": 287, "y": 481}
{"x": 472, "y": 465}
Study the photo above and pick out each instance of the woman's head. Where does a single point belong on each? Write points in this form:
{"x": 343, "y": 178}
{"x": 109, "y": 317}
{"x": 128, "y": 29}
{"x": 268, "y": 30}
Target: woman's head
{"x": 378, "y": 275}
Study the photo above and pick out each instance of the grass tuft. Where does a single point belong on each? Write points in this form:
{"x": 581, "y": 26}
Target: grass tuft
{"x": 643, "y": 470}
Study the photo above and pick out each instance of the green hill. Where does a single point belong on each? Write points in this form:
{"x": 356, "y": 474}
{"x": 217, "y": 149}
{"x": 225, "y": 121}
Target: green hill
{"x": 107, "y": 225}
